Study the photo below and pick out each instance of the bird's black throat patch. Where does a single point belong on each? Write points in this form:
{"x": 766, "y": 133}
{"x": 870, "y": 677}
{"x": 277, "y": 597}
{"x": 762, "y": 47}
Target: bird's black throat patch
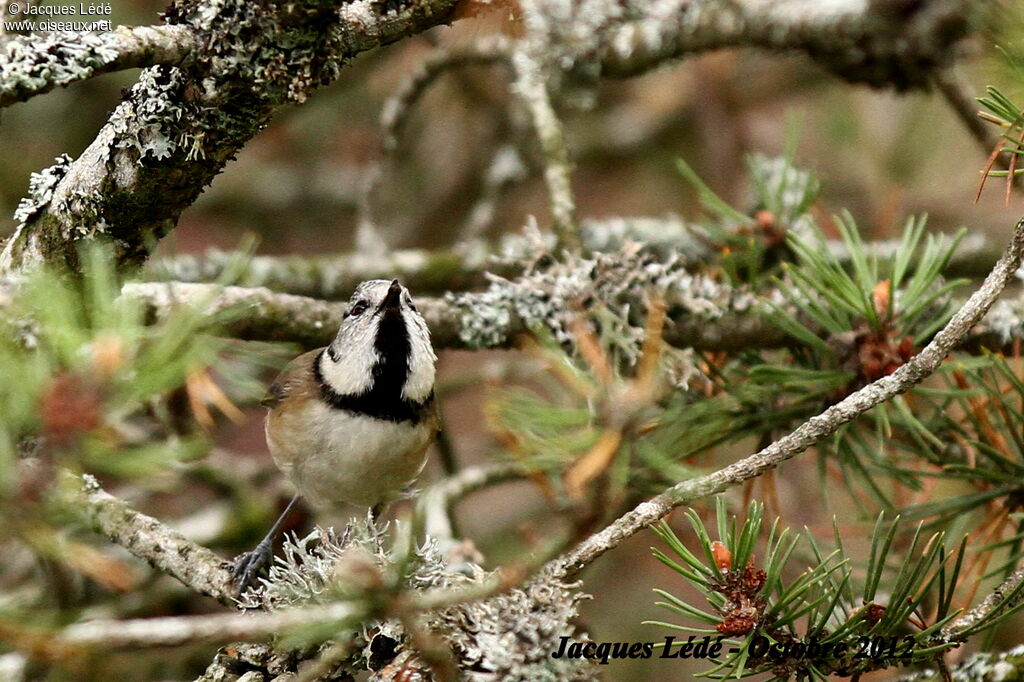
{"x": 383, "y": 400}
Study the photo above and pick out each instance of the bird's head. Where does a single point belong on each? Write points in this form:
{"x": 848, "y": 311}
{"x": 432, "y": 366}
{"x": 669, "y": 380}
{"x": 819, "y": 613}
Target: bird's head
{"x": 382, "y": 347}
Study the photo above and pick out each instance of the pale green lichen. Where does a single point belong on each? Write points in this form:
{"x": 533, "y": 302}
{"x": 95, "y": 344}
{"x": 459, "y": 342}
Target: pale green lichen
{"x": 509, "y": 636}
{"x": 40, "y": 189}
{"x": 1005, "y": 319}
{"x": 38, "y": 62}
{"x": 252, "y": 58}
{"x": 611, "y": 287}
{"x": 147, "y": 121}
{"x": 663, "y": 236}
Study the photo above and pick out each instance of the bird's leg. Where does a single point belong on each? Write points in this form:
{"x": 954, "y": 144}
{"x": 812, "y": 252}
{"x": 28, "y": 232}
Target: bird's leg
{"x": 248, "y": 565}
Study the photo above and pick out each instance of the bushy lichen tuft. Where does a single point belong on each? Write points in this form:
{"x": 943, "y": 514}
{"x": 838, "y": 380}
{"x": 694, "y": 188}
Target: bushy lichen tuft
{"x": 610, "y": 287}
{"x": 509, "y": 636}
{"x": 146, "y": 121}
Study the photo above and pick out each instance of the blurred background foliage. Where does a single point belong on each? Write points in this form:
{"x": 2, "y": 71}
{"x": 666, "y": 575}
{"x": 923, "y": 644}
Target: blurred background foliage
{"x": 878, "y": 155}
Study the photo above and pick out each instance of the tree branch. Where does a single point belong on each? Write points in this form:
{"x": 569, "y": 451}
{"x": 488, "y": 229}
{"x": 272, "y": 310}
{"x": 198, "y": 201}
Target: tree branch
{"x": 264, "y": 315}
{"x": 33, "y": 65}
{"x": 148, "y": 539}
{"x": 335, "y": 276}
{"x": 996, "y": 599}
{"x": 531, "y": 86}
{"x": 179, "y": 125}
{"x": 813, "y": 431}
{"x": 210, "y": 629}
{"x": 438, "y": 499}
{"x": 706, "y": 315}
{"x": 878, "y": 43}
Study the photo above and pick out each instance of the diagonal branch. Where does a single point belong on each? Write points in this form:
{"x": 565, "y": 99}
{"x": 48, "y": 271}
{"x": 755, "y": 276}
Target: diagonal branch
{"x": 813, "y": 431}
{"x": 179, "y": 125}
{"x": 997, "y": 599}
{"x": 164, "y": 548}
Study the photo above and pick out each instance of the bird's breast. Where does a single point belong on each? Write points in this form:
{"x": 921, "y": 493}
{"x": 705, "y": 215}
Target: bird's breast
{"x": 335, "y": 457}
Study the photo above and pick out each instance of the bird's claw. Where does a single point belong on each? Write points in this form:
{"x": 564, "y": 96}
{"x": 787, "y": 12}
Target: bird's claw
{"x": 247, "y": 566}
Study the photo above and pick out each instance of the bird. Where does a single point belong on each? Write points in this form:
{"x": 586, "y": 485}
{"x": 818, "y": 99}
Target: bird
{"x": 350, "y": 424}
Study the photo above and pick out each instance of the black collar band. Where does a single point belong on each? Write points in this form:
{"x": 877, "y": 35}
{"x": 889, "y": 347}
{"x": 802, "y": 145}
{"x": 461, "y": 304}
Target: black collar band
{"x": 379, "y": 402}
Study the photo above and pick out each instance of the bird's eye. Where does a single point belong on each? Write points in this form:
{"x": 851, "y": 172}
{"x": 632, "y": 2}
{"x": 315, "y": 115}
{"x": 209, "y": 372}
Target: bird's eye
{"x": 358, "y": 308}
{"x": 408, "y": 302}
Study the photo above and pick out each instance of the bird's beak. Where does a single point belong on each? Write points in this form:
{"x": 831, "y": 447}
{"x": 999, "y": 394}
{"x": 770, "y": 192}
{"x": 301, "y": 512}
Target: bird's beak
{"x": 393, "y": 300}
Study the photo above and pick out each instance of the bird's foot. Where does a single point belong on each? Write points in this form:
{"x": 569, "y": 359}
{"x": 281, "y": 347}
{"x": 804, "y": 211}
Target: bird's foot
{"x": 247, "y": 567}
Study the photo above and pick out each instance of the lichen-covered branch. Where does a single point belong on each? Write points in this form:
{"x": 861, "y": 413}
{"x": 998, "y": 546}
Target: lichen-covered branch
{"x": 32, "y": 65}
{"x": 473, "y": 321}
{"x": 164, "y": 548}
{"x": 879, "y": 43}
{"x": 813, "y": 431}
{"x": 335, "y": 276}
{"x": 179, "y": 125}
{"x": 703, "y": 313}
{"x": 210, "y": 629}
{"x": 185, "y": 118}
{"x": 998, "y": 598}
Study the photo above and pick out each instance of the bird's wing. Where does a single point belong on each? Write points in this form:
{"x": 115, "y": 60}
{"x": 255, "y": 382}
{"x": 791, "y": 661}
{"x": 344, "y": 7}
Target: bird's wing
{"x": 296, "y": 377}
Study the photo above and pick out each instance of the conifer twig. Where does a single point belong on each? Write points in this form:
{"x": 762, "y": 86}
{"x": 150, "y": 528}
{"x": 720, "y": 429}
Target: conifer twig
{"x": 986, "y": 607}
{"x": 813, "y": 431}
{"x": 531, "y": 86}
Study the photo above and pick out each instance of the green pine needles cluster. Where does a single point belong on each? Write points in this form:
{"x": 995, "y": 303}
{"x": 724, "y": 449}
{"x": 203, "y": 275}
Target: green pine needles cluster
{"x": 829, "y": 619}
{"x": 93, "y": 385}
{"x": 941, "y": 462}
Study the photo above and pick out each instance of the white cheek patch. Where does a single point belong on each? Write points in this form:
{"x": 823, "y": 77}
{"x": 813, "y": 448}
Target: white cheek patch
{"x": 351, "y": 373}
{"x": 420, "y": 382}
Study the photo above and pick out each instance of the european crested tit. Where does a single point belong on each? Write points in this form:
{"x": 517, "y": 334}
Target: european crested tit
{"x": 350, "y": 424}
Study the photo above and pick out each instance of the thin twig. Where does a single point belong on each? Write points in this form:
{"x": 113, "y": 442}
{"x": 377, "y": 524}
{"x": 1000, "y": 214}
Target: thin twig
{"x": 812, "y": 431}
{"x": 531, "y": 87}
{"x": 395, "y": 112}
{"x": 997, "y": 598}
{"x": 395, "y": 115}
{"x": 437, "y": 500}
{"x": 209, "y": 629}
